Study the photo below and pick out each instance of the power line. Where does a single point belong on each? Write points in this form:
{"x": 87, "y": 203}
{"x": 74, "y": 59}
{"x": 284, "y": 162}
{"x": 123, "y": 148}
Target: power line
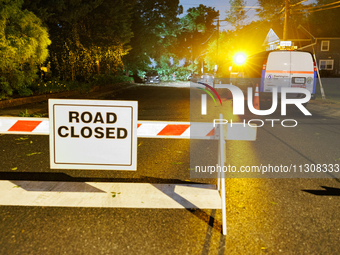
{"x": 314, "y": 7}
{"x": 298, "y": 3}
{"x": 209, "y": 37}
{"x": 249, "y": 9}
{"x": 322, "y": 9}
{"x": 246, "y": 7}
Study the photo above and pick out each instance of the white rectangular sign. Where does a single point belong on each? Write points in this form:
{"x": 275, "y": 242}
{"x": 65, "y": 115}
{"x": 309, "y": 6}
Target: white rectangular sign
{"x": 93, "y": 134}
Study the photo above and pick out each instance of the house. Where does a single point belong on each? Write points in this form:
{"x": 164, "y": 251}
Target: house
{"x": 325, "y": 49}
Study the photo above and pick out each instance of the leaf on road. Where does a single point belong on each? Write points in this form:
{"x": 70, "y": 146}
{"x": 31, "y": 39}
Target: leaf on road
{"x": 21, "y": 138}
{"x": 263, "y": 248}
{"x": 273, "y": 203}
{"x": 177, "y": 163}
{"x": 179, "y": 151}
{"x": 16, "y": 187}
{"x": 140, "y": 144}
{"x": 14, "y": 168}
{"x": 114, "y": 194}
{"x": 33, "y": 153}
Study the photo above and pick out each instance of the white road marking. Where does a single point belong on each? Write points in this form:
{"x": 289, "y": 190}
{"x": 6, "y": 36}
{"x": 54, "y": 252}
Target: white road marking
{"x": 109, "y": 195}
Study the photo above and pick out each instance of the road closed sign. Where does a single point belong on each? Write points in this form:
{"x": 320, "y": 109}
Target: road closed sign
{"x": 93, "y": 134}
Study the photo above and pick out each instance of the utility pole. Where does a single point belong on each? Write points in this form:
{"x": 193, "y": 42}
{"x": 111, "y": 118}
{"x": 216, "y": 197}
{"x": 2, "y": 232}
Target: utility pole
{"x": 218, "y": 35}
{"x": 286, "y": 20}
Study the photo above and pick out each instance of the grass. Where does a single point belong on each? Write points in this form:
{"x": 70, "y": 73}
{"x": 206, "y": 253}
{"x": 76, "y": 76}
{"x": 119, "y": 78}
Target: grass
{"x": 331, "y": 88}
{"x": 27, "y": 114}
{"x": 327, "y": 100}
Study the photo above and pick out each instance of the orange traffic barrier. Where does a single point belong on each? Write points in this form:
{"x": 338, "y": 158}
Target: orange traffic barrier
{"x": 257, "y": 98}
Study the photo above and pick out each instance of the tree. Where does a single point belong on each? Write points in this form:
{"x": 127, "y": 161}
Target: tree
{"x": 88, "y": 36}
{"x": 248, "y": 40}
{"x": 236, "y": 14}
{"x": 321, "y": 20}
{"x": 225, "y": 53}
{"x": 271, "y": 9}
{"x": 197, "y": 29}
{"x": 274, "y": 11}
{"x": 153, "y": 26}
{"x": 23, "y": 43}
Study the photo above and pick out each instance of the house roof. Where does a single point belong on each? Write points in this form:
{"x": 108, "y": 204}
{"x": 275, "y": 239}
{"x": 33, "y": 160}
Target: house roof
{"x": 271, "y": 38}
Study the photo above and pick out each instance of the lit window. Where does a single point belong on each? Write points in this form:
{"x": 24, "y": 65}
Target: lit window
{"x": 324, "y": 45}
{"x": 326, "y": 64}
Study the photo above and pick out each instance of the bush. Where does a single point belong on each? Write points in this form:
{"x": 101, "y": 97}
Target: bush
{"x": 56, "y": 85}
{"x": 44, "y": 87}
{"x": 5, "y": 88}
{"x": 103, "y": 79}
{"x": 24, "y": 42}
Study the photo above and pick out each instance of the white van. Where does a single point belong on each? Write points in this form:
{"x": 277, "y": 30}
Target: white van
{"x": 279, "y": 68}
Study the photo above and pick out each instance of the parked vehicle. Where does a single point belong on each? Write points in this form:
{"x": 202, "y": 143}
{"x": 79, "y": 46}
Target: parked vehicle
{"x": 151, "y": 77}
{"x": 278, "y": 68}
{"x": 207, "y": 78}
{"x": 193, "y": 77}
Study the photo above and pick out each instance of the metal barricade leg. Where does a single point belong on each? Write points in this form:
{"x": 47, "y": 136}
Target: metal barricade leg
{"x": 221, "y": 144}
{"x": 219, "y": 173}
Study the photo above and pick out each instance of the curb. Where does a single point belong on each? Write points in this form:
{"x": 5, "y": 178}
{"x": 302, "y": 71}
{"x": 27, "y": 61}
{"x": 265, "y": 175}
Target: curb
{"x": 34, "y": 99}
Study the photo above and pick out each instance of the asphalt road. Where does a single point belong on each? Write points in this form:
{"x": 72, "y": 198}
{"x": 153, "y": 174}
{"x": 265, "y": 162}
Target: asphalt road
{"x": 280, "y": 214}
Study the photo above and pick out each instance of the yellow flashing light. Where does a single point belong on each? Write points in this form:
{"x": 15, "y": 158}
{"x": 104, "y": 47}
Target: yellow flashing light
{"x": 240, "y": 58}
{"x": 286, "y": 47}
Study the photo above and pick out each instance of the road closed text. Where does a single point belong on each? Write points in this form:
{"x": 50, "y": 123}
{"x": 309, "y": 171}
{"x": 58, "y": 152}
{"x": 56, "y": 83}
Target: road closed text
{"x": 107, "y": 132}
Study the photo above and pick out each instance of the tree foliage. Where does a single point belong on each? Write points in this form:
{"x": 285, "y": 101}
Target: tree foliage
{"x": 23, "y": 46}
{"x": 271, "y": 9}
{"x": 318, "y": 19}
{"x": 153, "y": 25}
{"x": 197, "y": 29}
{"x": 88, "y": 36}
{"x": 236, "y": 14}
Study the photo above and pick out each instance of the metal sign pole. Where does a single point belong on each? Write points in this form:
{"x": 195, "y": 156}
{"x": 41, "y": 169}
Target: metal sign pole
{"x": 219, "y": 173}
{"x": 221, "y": 163}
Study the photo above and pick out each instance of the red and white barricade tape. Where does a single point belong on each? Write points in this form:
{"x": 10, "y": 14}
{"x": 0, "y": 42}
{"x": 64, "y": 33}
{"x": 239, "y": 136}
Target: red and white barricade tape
{"x": 145, "y": 129}
{"x": 33, "y": 126}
